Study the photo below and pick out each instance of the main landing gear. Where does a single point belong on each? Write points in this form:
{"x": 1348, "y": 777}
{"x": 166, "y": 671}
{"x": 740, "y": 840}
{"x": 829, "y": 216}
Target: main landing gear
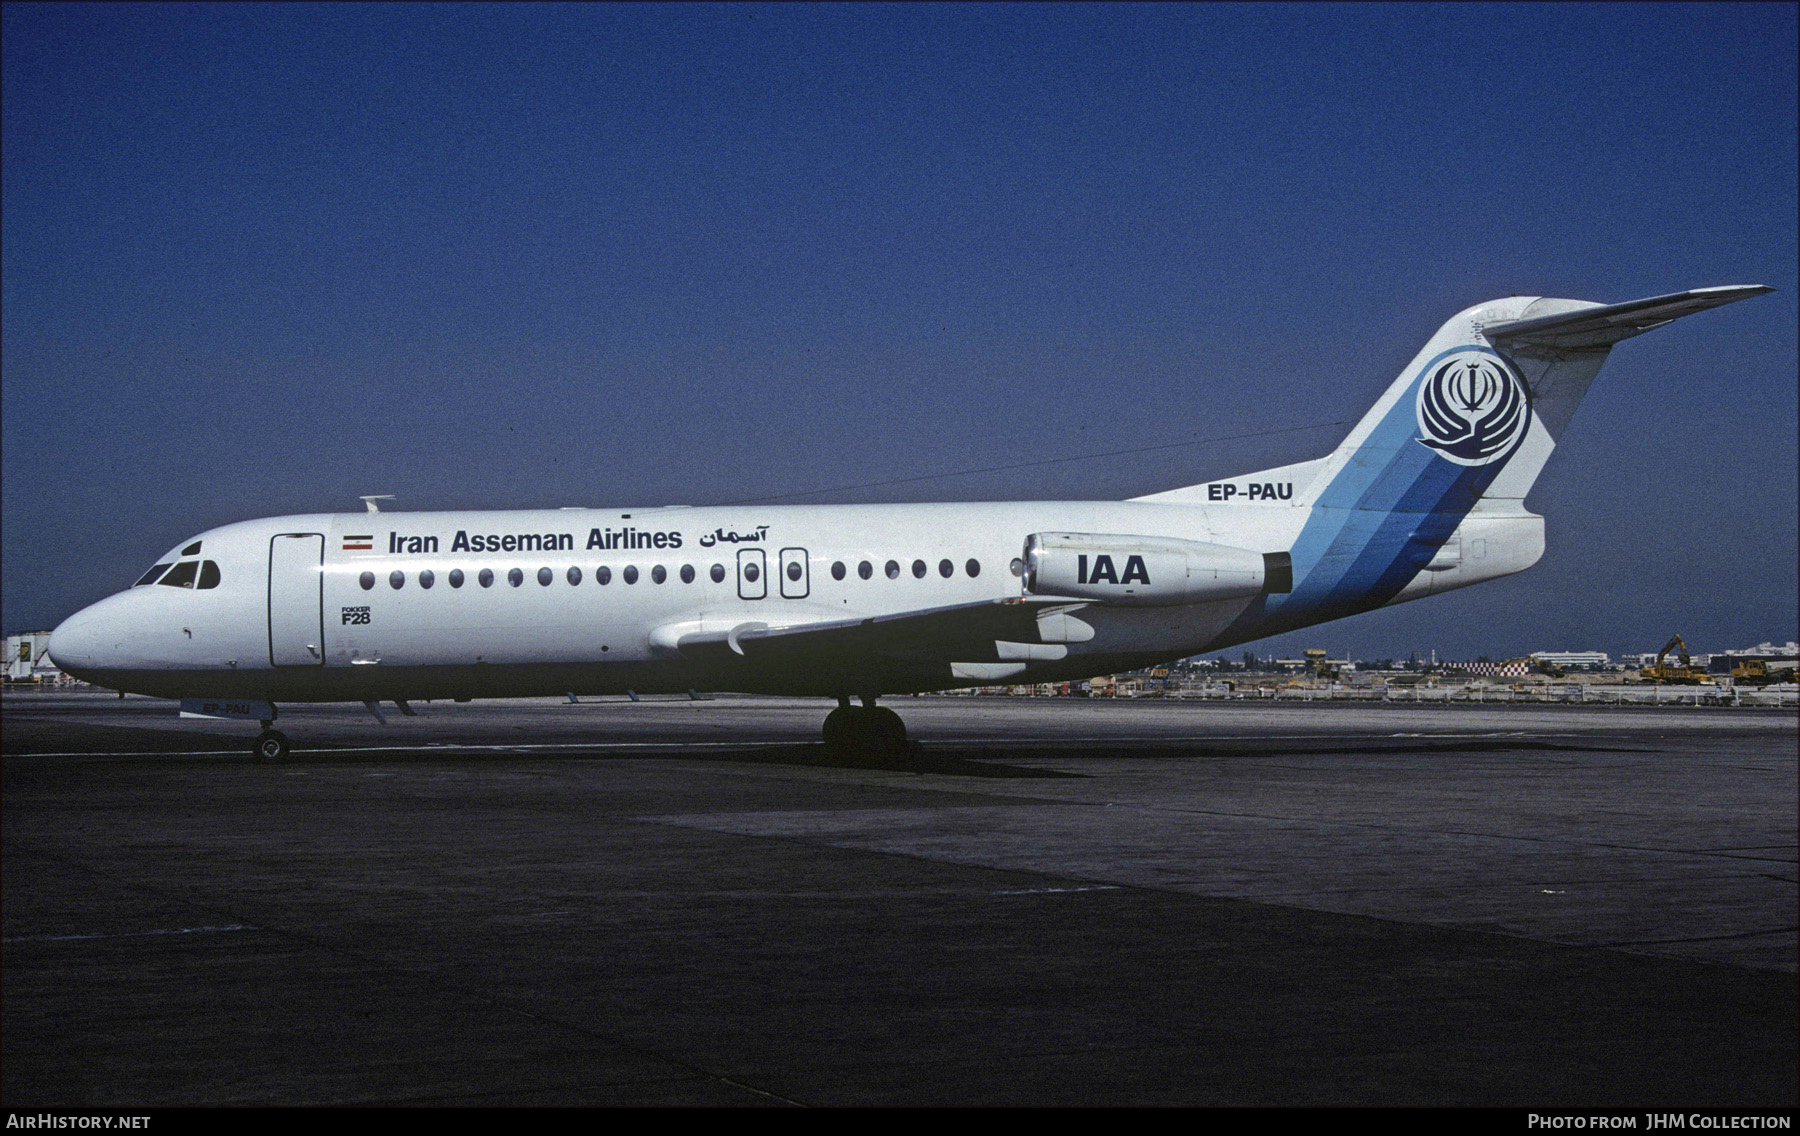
{"x": 865, "y": 729}
{"x": 271, "y": 744}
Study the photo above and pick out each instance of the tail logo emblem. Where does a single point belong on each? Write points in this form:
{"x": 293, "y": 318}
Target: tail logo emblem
{"x": 1473, "y": 410}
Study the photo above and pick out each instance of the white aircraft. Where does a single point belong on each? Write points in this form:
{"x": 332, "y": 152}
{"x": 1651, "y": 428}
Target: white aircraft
{"x": 1426, "y": 495}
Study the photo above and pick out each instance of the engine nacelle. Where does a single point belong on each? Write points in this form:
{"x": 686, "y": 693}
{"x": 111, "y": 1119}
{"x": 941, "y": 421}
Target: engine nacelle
{"x": 1147, "y": 571}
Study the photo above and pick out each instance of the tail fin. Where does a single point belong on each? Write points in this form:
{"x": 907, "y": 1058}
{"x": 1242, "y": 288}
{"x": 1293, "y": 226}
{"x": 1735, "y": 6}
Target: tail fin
{"x": 1476, "y": 414}
{"x": 1426, "y": 493}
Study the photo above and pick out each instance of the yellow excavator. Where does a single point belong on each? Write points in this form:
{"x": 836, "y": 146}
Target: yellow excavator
{"x": 1684, "y": 675}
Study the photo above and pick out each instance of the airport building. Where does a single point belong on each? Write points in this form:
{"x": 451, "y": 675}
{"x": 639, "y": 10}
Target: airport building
{"x": 1774, "y": 658}
{"x": 1768, "y": 652}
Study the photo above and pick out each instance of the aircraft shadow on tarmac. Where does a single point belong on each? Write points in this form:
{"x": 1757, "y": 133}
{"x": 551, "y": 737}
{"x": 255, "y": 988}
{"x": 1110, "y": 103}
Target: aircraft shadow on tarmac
{"x": 914, "y": 758}
{"x": 999, "y": 758}
{"x": 992, "y": 760}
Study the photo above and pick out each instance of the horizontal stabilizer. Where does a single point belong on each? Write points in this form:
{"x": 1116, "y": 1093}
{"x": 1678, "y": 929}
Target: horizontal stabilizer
{"x": 1607, "y": 325}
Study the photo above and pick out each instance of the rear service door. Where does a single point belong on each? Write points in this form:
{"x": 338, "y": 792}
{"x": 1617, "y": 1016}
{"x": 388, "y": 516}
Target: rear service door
{"x": 296, "y": 588}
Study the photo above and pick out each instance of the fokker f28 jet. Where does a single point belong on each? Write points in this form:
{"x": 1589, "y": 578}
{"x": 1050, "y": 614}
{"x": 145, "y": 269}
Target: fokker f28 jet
{"x": 1426, "y": 495}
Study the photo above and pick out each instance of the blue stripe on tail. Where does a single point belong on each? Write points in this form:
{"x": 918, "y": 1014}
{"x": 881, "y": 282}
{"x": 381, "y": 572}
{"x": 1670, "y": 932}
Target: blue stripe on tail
{"x": 1382, "y": 518}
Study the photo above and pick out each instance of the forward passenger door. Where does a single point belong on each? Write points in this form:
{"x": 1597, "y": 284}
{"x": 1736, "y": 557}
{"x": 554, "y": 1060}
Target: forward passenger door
{"x": 296, "y": 592}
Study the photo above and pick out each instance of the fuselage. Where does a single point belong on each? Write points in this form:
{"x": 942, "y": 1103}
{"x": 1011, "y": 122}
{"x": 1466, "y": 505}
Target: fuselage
{"x": 393, "y": 605}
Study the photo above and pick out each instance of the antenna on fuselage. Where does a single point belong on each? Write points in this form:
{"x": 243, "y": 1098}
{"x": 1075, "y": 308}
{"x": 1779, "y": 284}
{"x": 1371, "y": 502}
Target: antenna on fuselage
{"x": 369, "y": 501}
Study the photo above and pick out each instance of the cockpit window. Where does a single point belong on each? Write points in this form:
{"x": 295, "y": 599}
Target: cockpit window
{"x": 192, "y": 549}
{"x": 182, "y": 575}
{"x": 150, "y": 576}
{"x": 191, "y": 574}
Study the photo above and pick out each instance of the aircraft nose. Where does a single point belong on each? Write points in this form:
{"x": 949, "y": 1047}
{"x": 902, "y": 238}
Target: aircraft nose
{"x": 85, "y": 640}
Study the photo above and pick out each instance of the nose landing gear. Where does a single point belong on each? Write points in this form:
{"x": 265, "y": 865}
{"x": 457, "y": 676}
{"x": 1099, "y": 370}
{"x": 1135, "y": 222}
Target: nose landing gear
{"x": 866, "y": 729}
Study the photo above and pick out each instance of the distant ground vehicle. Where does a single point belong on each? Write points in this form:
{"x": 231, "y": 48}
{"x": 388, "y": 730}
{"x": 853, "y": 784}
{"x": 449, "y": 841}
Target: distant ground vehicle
{"x": 1684, "y": 675}
{"x": 1757, "y": 672}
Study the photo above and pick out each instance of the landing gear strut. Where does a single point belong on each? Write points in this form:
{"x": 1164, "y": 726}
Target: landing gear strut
{"x": 864, "y": 729}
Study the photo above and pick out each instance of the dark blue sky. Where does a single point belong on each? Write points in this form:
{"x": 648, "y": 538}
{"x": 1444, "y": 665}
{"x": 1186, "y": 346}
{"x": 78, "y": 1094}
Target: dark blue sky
{"x": 261, "y": 260}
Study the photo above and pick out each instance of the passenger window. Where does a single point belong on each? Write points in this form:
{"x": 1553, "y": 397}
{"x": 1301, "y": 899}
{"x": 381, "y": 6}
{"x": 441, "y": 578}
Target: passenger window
{"x": 396, "y": 579}
{"x": 182, "y": 575}
{"x": 751, "y": 571}
{"x": 603, "y": 575}
{"x": 718, "y": 573}
{"x": 837, "y": 570}
{"x": 545, "y": 576}
{"x": 918, "y": 569}
{"x": 209, "y": 575}
{"x": 946, "y": 569}
{"x": 427, "y": 578}
{"x": 865, "y": 569}
{"x": 515, "y": 577}
{"x": 893, "y": 569}
{"x": 150, "y": 576}
{"x": 486, "y": 578}
{"x": 659, "y": 573}
{"x": 687, "y": 573}
{"x": 456, "y": 577}
{"x": 794, "y": 570}
{"x": 574, "y": 575}
{"x": 630, "y": 573}
{"x": 367, "y": 580}
{"x": 973, "y": 568}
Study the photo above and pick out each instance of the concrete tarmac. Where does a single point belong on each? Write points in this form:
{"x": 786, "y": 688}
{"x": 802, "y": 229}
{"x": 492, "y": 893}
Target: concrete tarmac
{"x": 1045, "y": 902}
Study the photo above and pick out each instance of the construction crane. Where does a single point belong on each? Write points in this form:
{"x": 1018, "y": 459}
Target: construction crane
{"x": 1684, "y": 675}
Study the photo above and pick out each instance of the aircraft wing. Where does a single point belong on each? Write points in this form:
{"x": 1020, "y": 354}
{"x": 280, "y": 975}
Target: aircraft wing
{"x": 1606, "y": 325}
{"x": 927, "y": 636}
